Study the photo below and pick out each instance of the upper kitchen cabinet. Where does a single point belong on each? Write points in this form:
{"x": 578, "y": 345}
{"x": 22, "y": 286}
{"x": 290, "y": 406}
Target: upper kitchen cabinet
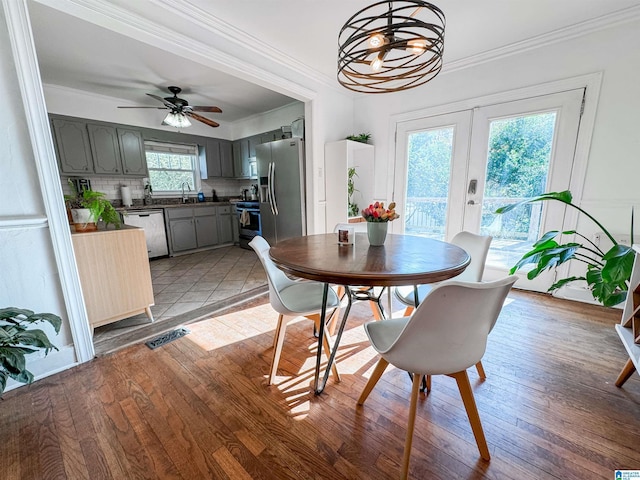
{"x": 134, "y": 161}
{"x": 87, "y": 147}
{"x": 254, "y": 141}
{"x": 241, "y": 158}
{"x": 72, "y": 146}
{"x": 105, "y": 149}
{"x": 219, "y": 158}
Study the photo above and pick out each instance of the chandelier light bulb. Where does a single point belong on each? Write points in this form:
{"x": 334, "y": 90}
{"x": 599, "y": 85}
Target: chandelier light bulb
{"x": 417, "y": 46}
{"x": 376, "y": 64}
{"x": 376, "y": 40}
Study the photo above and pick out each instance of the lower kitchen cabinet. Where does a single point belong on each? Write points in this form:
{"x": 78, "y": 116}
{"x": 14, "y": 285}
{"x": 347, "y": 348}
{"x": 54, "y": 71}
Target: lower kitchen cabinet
{"x": 206, "y": 226}
{"x": 194, "y": 228}
{"x": 225, "y": 224}
{"x": 114, "y": 273}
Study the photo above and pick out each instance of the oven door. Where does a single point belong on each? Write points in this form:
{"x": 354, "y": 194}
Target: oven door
{"x": 249, "y": 225}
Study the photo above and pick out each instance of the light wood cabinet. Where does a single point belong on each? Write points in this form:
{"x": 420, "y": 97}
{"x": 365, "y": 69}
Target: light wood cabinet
{"x": 114, "y": 274}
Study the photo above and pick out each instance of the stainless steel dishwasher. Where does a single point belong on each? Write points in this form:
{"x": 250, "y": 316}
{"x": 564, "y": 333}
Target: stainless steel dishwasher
{"x": 152, "y": 221}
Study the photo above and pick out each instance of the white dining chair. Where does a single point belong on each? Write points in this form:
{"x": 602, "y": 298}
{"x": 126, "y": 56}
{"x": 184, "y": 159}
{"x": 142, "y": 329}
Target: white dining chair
{"x": 477, "y": 246}
{"x": 446, "y": 334}
{"x": 292, "y": 299}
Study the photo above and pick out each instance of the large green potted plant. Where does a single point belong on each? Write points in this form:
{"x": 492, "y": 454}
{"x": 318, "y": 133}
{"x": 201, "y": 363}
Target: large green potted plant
{"x": 607, "y": 274}
{"x": 18, "y": 340}
{"x": 88, "y": 207}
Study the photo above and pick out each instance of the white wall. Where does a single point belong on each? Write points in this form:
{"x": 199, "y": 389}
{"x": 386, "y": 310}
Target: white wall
{"x": 613, "y": 170}
{"x": 29, "y": 274}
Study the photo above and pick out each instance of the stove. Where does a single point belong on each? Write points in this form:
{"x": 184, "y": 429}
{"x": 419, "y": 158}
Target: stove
{"x": 249, "y": 221}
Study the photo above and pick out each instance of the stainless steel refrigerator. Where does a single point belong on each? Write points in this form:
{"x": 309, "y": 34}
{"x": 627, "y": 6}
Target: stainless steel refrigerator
{"x": 281, "y": 177}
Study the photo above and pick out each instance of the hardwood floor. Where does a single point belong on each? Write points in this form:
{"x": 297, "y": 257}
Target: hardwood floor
{"x": 199, "y": 407}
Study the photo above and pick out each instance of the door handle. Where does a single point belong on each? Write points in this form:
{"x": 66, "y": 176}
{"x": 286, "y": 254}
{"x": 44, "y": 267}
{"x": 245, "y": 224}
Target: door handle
{"x": 473, "y": 184}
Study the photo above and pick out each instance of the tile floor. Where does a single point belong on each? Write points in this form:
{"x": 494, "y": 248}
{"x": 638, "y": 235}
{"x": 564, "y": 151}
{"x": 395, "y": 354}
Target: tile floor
{"x": 188, "y": 282}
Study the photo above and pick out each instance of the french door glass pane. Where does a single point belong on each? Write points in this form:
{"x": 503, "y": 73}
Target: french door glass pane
{"x": 518, "y": 160}
{"x": 429, "y": 167}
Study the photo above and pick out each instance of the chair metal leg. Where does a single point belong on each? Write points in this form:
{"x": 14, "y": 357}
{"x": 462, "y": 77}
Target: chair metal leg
{"x": 278, "y": 340}
{"x": 375, "y": 376}
{"x": 417, "y": 378}
{"x": 472, "y": 412}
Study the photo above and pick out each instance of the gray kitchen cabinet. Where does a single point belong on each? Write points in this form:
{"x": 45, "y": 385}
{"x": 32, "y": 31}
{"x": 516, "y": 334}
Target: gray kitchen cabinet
{"x": 212, "y": 152}
{"x": 206, "y": 226}
{"x": 225, "y": 224}
{"x": 105, "y": 149}
{"x": 72, "y": 146}
{"x": 241, "y": 161}
{"x": 226, "y": 158}
{"x": 134, "y": 161}
{"x": 253, "y": 142}
{"x": 235, "y": 227}
{"x": 219, "y": 157}
{"x": 183, "y": 234}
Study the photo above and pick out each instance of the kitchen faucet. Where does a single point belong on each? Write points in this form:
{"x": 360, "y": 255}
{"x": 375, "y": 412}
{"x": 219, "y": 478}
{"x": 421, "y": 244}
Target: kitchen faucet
{"x": 185, "y": 198}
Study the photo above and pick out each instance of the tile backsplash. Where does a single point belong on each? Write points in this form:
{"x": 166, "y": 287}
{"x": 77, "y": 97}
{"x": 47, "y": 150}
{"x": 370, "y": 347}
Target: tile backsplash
{"x": 110, "y": 186}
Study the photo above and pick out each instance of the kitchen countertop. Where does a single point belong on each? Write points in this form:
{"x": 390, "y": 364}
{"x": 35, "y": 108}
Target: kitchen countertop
{"x": 174, "y": 205}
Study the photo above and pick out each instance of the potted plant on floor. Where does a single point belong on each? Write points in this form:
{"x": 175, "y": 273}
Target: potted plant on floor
{"x": 88, "y": 207}
{"x": 16, "y": 341}
{"x": 607, "y": 274}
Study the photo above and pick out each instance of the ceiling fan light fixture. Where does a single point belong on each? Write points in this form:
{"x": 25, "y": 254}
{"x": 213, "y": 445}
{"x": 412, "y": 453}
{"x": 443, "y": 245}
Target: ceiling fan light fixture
{"x": 391, "y": 46}
{"x": 177, "y": 120}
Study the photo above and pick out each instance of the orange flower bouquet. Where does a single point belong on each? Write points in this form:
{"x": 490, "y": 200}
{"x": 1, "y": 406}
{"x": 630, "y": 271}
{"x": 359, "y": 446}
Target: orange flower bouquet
{"x": 377, "y": 213}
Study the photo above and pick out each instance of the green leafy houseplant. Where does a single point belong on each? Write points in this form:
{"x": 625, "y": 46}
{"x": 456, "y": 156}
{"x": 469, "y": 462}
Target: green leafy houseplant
{"x": 16, "y": 341}
{"x": 98, "y": 206}
{"x": 607, "y": 273}
{"x": 353, "y": 207}
{"x": 362, "y": 138}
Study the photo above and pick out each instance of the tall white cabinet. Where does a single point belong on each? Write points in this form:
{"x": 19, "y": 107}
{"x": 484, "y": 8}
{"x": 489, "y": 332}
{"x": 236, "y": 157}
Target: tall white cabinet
{"x": 339, "y": 157}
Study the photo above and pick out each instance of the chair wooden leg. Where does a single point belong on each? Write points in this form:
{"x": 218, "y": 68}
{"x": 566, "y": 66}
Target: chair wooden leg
{"x": 417, "y": 379}
{"x": 408, "y": 311}
{"x": 375, "y": 376}
{"x": 472, "y": 412}
{"x": 278, "y": 340}
{"x": 376, "y": 310}
{"x": 480, "y": 369}
{"x": 428, "y": 383}
{"x": 626, "y": 373}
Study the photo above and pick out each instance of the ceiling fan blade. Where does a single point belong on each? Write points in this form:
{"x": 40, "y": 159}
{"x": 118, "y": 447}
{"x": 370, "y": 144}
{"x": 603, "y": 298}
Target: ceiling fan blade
{"x": 160, "y": 99}
{"x": 202, "y": 119}
{"x": 159, "y": 108}
{"x": 206, "y": 109}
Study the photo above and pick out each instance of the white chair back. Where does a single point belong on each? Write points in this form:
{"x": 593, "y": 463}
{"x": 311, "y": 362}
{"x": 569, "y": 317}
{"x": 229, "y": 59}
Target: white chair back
{"x": 278, "y": 281}
{"x": 448, "y": 331}
{"x": 477, "y": 246}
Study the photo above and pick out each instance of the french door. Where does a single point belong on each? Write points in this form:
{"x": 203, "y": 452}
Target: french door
{"x": 455, "y": 169}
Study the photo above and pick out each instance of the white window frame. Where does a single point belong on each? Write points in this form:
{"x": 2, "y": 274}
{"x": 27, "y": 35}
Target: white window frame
{"x": 176, "y": 148}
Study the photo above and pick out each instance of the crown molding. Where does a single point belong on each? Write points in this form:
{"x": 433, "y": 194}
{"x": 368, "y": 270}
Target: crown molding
{"x": 567, "y": 33}
{"x": 128, "y": 23}
{"x": 245, "y": 40}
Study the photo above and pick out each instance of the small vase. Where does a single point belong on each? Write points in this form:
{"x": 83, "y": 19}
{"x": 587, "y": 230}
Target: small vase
{"x": 377, "y": 233}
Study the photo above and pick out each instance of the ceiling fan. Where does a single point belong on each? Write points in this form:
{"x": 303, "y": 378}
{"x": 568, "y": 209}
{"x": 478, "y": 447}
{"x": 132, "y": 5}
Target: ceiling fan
{"x": 179, "y": 110}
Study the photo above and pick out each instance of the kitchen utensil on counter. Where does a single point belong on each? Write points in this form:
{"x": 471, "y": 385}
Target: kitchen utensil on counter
{"x": 215, "y": 197}
{"x": 254, "y": 191}
{"x": 245, "y": 194}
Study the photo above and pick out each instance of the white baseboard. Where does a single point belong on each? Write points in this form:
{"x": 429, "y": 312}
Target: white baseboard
{"x": 41, "y": 366}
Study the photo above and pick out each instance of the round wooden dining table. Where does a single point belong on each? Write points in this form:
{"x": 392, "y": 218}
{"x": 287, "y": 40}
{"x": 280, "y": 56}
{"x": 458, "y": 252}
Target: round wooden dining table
{"x": 402, "y": 260}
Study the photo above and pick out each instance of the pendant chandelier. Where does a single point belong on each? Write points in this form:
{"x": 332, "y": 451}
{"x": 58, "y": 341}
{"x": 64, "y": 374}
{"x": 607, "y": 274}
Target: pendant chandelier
{"x": 391, "y": 46}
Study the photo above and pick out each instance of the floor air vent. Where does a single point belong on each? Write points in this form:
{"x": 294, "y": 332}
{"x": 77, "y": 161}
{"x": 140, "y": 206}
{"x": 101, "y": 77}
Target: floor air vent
{"x": 166, "y": 338}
